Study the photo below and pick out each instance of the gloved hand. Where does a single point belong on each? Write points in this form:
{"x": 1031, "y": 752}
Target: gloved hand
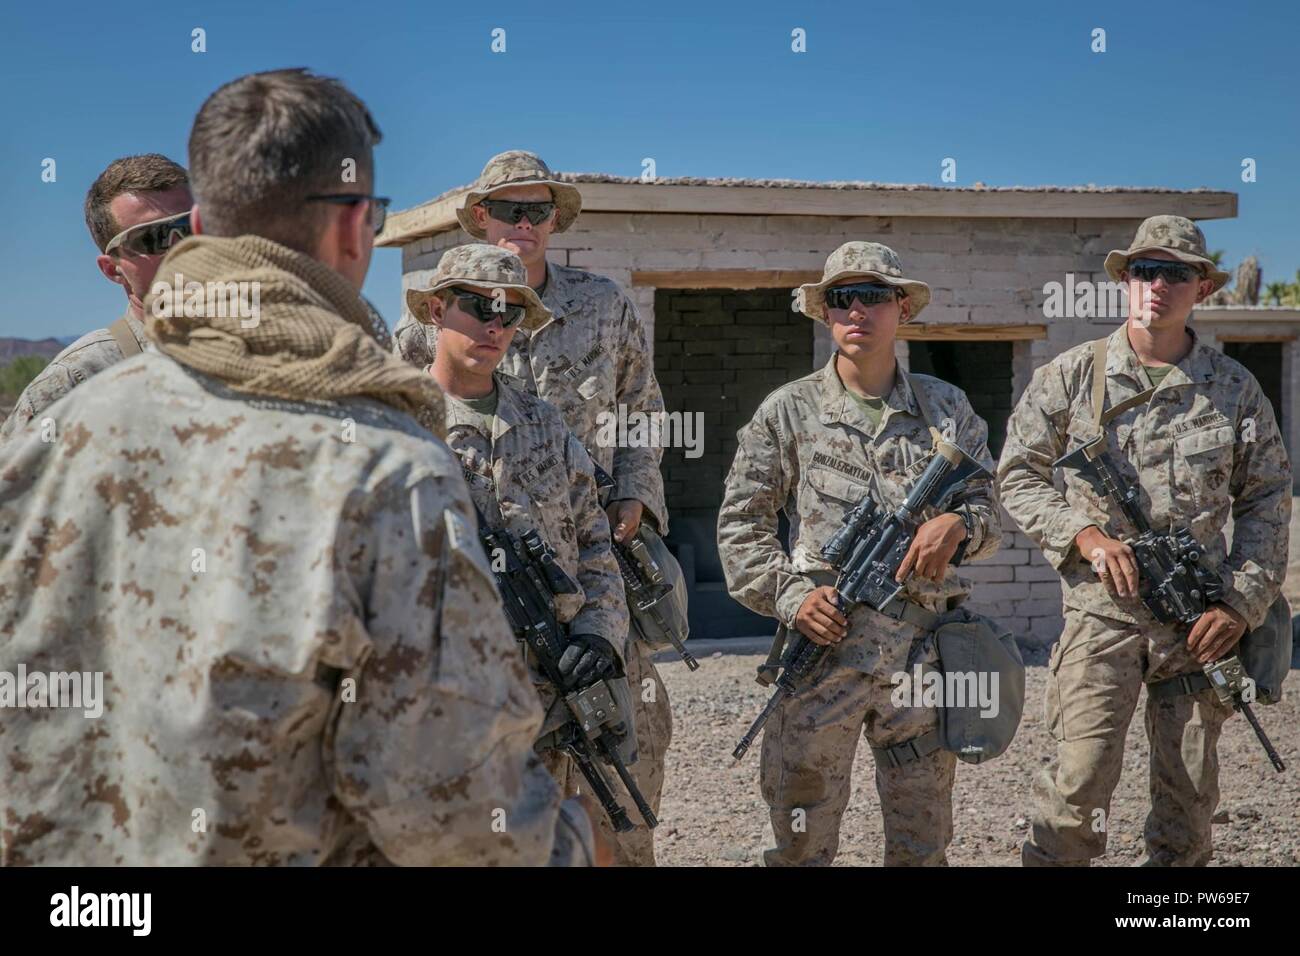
{"x": 587, "y": 659}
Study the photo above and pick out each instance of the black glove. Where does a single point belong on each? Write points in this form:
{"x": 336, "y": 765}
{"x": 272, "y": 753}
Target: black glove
{"x": 587, "y": 659}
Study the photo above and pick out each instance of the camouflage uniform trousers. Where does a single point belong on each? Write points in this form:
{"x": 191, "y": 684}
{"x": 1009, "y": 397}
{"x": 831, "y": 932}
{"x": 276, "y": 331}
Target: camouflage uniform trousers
{"x": 808, "y": 750}
{"x": 1095, "y": 674}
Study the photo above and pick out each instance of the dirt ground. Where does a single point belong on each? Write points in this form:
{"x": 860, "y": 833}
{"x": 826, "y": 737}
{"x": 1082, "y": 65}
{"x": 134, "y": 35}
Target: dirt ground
{"x": 713, "y": 814}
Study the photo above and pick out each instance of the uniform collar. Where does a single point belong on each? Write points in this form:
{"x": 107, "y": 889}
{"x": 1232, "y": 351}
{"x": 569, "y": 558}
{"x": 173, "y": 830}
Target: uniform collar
{"x": 1196, "y": 366}
{"x": 561, "y": 295}
{"x": 838, "y": 405}
{"x": 510, "y": 412}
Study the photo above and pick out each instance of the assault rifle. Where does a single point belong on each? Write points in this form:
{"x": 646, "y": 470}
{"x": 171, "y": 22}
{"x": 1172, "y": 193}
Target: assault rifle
{"x": 1173, "y": 584}
{"x": 867, "y": 551}
{"x": 528, "y": 583}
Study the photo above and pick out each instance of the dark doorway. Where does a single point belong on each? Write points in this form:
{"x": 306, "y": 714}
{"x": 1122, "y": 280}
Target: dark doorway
{"x": 1264, "y": 361}
{"x": 720, "y": 352}
{"x": 980, "y": 369}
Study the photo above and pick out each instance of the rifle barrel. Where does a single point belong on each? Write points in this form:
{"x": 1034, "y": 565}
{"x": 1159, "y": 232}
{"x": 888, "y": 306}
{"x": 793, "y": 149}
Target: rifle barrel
{"x": 1273, "y": 757}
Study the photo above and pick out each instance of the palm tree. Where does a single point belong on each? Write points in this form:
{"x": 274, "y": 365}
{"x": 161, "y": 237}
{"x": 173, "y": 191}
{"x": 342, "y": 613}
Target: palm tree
{"x": 1274, "y": 292}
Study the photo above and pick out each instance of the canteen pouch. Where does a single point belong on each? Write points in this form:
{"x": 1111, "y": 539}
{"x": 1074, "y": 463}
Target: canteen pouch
{"x": 971, "y": 644}
{"x": 1265, "y": 652}
{"x": 667, "y": 615}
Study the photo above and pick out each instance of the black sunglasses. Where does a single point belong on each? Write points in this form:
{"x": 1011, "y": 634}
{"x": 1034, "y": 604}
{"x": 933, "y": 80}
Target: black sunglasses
{"x": 378, "y": 206}
{"x": 485, "y": 308}
{"x": 151, "y": 238}
{"x": 1148, "y": 270}
{"x": 868, "y": 293}
{"x": 509, "y": 211}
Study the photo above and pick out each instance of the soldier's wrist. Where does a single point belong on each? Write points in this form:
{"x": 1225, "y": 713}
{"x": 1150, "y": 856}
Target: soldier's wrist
{"x": 1086, "y": 539}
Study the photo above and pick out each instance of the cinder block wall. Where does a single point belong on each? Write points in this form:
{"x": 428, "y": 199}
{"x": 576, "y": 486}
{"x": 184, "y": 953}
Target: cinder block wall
{"x": 720, "y": 352}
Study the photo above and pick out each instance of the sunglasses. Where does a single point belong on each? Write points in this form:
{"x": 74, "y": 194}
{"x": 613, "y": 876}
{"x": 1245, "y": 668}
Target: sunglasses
{"x": 509, "y": 211}
{"x": 868, "y": 293}
{"x": 151, "y": 238}
{"x": 485, "y": 308}
{"x": 378, "y": 206}
{"x": 1148, "y": 270}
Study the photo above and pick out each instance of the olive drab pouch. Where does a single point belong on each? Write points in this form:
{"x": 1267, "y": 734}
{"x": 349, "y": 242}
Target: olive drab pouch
{"x": 984, "y": 685}
{"x": 1265, "y": 652}
{"x": 667, "y": 613}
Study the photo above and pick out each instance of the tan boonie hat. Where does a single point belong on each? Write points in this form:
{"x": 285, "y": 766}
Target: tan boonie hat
{"x": 1172, "y": 234}
{"x": 519, "y": 168}
{"x": 866, "y": 260}
{"x": 479, "y": 264}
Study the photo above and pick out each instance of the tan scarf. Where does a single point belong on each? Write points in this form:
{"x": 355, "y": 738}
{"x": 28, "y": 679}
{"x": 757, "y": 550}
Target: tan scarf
{"x": 313, "y": 338}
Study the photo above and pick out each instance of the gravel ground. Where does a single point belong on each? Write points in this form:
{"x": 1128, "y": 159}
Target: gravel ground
{"x": 713, "y": 814}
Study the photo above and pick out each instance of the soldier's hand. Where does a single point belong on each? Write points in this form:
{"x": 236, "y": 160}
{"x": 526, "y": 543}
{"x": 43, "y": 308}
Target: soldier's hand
{"x": 508, "y": 246}
{"x": 1112, "y": 560}
{"x": 587, "y": 659}
{"x": 624, "y": 517}
{"x": 1215, "y": 632}
{"x": 932, "y": 548}
{"x": 819, "y": 618}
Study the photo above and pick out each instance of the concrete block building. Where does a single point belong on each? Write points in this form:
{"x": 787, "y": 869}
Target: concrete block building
{"x": 711, "y": 265}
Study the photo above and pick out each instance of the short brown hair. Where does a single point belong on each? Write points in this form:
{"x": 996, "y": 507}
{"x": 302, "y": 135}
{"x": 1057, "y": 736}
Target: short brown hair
{"x": 263, "y": 143}
{"x": 148, "y": 172}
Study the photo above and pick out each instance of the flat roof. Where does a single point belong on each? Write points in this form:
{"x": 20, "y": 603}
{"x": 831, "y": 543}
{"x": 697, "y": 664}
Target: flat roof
{"x": 602, "y": 192}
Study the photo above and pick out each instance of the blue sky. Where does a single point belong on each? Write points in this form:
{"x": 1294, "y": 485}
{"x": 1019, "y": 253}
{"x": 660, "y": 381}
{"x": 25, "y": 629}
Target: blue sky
{"x": 885, "y": 92}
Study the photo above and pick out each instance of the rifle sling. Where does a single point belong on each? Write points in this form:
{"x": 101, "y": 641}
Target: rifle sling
{"x": 1102, "y": 418}
{"x": 770, "y": 669}
{"x": 125, "y": 338}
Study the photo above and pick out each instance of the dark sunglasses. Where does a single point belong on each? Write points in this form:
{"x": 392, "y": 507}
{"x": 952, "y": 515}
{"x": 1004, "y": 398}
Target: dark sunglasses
{"x": 378, "y": 206}
{"x": 509, "y": 211}
{"x": 485, "y": 308}
{"x": 868, "y": 293}
{"x": 151, "y": 238}
{"x": 1148, "y": 270}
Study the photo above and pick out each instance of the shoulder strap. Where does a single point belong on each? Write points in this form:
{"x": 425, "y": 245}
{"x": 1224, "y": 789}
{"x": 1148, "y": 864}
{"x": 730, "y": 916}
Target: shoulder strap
{"x": 125, "y": 338}
{"x": 1098, "y": 379}
{"x": 1099, "y": 417}
{"x": 926, "y": 415}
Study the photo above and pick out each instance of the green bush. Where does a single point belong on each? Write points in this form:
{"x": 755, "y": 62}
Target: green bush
{"x": 15, "y": 376}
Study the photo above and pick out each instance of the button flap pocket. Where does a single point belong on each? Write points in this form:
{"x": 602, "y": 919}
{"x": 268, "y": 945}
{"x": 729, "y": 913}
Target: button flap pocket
{"x": 1207, "y": 440}
{"x": 1082, "y": 429}
{"x": 835, "y": 485}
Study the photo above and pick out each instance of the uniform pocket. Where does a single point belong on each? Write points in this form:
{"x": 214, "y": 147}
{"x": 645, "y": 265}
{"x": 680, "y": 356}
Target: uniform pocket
{"x": 832, "y": 485}
{"x": 1052, "y": 698}
{"x": 1081, "y": 430}
{"x": 1202, "y": 463}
